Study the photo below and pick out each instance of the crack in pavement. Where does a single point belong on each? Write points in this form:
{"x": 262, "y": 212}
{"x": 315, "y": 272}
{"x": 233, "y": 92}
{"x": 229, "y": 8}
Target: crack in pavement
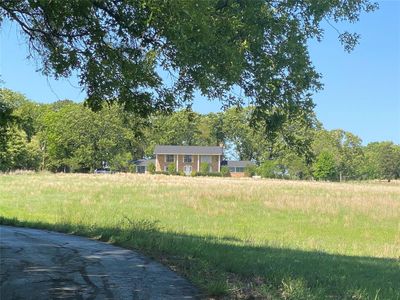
{"x": 39, "y": 264}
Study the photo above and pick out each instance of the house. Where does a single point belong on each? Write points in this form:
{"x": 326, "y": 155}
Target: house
{"x": 188, "y": 158}
{"x": 237, "y": 168}
{"x": 142, "y": 164}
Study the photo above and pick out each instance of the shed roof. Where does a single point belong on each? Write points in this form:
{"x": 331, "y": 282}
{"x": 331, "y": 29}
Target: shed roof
{"x": 239, "y": 163}
{"x": 203, "y": 150}
{"x": 143, "y": 162}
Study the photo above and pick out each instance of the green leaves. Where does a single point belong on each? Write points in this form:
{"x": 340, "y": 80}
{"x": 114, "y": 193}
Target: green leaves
{"x": 67, "y": 136}
{"x": 80, "y": 139}
{"x": 324, "y": 167}
{"x": 121, "y": 49}
{"x": 381, "y": 161}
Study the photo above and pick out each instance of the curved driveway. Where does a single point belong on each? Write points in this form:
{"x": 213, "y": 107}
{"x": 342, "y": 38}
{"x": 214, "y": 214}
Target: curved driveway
{"x": 39, "y": 264}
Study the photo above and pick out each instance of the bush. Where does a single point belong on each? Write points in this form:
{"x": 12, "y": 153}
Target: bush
{"x": 204, "y": 167}
{"x": 225, "y": 171}
{"x": 151, "y": 167}
{"x": 121, "y": 162}
{"x": 210, "y": 174}
{"x": 214, "y": 174}
{"x": 250, "y": 170}
{"x": 161, "y": 172}
{"x": 132, "y": 168}
{"x": 171, "y": 169}
{"x": 268, "y": 169}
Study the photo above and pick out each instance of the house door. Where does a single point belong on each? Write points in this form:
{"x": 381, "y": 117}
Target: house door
{"x": 187, "y": 170}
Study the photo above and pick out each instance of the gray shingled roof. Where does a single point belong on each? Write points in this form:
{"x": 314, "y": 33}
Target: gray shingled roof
{"x": 143, "y": 162}
{"x": 192, "y": 150}
{"x": 239, "y": 163}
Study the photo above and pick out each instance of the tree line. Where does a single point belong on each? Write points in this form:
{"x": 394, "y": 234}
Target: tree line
{"x": 68, "y": 137}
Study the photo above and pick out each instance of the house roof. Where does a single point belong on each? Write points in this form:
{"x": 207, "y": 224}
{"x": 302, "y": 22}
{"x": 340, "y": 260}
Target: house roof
{"x": 239, "y": 163}
{"x": 143, "y": 162}
{"x": 203, "y": 150}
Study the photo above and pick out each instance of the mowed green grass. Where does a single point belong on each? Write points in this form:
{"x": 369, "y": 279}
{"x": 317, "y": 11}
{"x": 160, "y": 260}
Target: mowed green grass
{"x": 233, "y": 238}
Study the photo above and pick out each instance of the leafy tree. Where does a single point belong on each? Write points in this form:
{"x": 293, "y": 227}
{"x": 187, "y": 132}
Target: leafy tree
{"x": 66, "y": 136}
{"x": 26, "y": 112}
{"x": 382, "y": 161}
{"x": 120, "y": 49}
{"x": 183, "y": 127}
{"x": 344, "y": 146}
{"x": 295, "y": 166}
{"x": 350, "y": 150}
{"x": 250, "y": 143}
{"x": 268, "y": 169}
{"x": 121, "y": 162}
{"x": 6, "y": 120}
{"x": 179, "y": 128}
{"x": 76, "y": 138}
{"x": 324, "y": 167}
{"x": 18, "y": 153}
{"x": 210, "y": 129}
{"x": 247, "y": 143}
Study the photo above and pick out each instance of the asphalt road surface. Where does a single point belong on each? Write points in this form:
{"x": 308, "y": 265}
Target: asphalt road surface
{"x": 39, "y": 264}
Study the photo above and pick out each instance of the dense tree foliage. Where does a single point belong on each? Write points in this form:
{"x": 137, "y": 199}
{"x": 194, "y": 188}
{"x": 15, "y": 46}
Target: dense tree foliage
{"x": 324, "y": 166}
{"x": 68, "y": 137}
{"x": 123, "y": 49}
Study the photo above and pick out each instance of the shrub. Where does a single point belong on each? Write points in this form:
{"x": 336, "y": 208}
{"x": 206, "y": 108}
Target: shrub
{"x": 250, "y": 170}
{"x": 132, "y": 168}
{"x": 268, "y": 169}
{"x": 121, "y": 162}
{"x": 161, "y": 172}
{"x": 214, "y": 174}
{"x": 151, "y": 167}
{"x": 225, "y": 171}
{"x": 204, "y": 167}
{"x": 210, "y": 174}
{"x": 171, "y": 169}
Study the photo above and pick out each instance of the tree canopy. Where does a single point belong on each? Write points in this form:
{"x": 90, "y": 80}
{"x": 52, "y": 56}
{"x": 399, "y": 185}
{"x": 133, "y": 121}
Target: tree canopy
{"x": 69, "y": 137}
{"x": 152, "y": 55}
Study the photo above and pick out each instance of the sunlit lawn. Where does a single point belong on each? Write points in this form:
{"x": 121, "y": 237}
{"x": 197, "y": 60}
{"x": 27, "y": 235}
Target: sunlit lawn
{"x": 231, "y": 237}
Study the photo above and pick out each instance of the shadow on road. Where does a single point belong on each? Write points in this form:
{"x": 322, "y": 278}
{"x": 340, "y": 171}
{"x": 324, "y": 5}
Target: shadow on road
{"x": 211, "y": 262}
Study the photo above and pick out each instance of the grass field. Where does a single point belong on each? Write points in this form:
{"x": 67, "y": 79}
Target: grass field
{"x": 234, "y": 238}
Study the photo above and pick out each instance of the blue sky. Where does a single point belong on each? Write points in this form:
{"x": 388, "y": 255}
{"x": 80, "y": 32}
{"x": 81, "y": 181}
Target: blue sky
{"x": 361, "y": 89}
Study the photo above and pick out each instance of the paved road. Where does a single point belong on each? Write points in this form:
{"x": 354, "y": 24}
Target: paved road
{"x": 38, "y": 264}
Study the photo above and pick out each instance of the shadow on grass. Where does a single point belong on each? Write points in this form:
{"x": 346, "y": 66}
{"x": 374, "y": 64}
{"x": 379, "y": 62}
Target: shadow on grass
{"x": 223, "y": 266}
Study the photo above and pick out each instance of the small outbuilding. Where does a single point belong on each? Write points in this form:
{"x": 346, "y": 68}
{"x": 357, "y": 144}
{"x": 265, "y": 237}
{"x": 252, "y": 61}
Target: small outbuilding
{"x": 142, "y": 164}
{"x": 237, "y": 167}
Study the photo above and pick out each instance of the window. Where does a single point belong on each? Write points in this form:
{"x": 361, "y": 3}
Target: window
{"x": 169, "y": 158}
{"x": 187, "y": 158}
{"x": 232, "y": 169}
{"x": 141, "y": 169}
{"x": 205, "y": 158}
{"x": 240, "y": 169}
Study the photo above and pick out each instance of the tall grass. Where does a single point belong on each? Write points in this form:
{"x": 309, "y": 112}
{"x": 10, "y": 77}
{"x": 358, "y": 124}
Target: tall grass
{"x": 232, "y": 237}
